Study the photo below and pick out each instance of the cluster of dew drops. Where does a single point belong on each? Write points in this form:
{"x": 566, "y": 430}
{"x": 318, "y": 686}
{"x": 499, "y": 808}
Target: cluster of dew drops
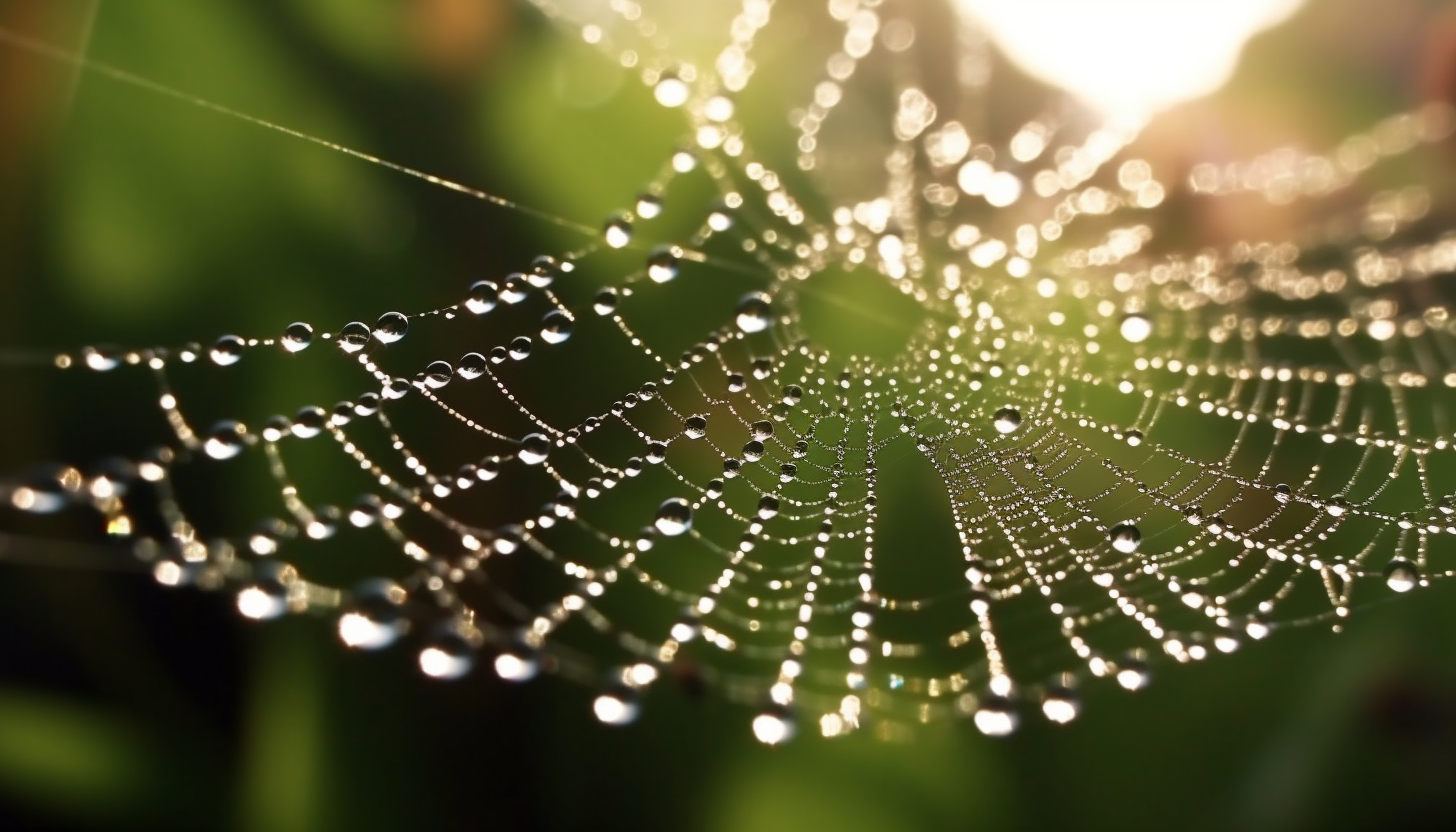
{"x": 1041, "y": 435}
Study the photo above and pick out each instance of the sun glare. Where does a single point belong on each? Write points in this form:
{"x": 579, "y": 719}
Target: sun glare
{"x": 1128, "y": 58}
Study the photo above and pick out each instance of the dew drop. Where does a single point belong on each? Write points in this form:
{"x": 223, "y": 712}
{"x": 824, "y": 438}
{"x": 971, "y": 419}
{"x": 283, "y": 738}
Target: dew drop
{"x": 263, "y": 600}
{"x": 1006, "y": 420}
{"x": 674, "y": 517}
{"x": 663, "y": 263}
{"x": 520, "y": 348}
{"x": 391, "y": 327}
{"x": 376, "y": 618}
{"x": 100, "y": 359}
{"x": 617, "y": 705}
{"x": 649, "y": 206}
{"x": 762, "y": 429}
{"x": 1060, "y": 704}
{"x": 544, "y": 271}
{"x": 516, "y": 665}
{"x": 1136, "y": 328}
{"x": 768, "y": 507}
{"x": 1132, "y": 672}
{"x": 1133, "y": 438}
{"x": 1282, "y": 493}
{"x": 555, "y": 327}
{"x": 482, "y": 296}
{"x": 617, "y": 232}
{"x": 297, "y": 337}
{"x": 353, "y": 337}
{"x": 309, "y": 422}
{"x": 1125, "y": 538}
{"x": 695, "y": 427}
{"x": 471, "y": 366}
{"x": 754, "y": 312}
{"x": 534, "y": 449}
{"x": 995, "y": 717}
{"x": 226, "y": 440}
{"x": 1401, "y": 575}
{"x": 671, "y": 91}
{"x": 774, "y": 725}
{"x": 226, "y": 351}
{"x": 1337, "y": 506}
{"x": 753, "y": 451}
{"x": 448, "y": 655}
{"x": 515, "y": 289}
{"x": 606, "y": 301}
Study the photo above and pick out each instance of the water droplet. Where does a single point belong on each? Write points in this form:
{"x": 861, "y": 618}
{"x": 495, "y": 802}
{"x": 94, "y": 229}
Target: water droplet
{"x": 309, "y": 422}
{"x": 606, "y": 301}
{"x": 226, "y": 351}
{"x": 1282, "y": 493}
{"x": 391, "y": 327}
{"x": 1061, "y": 705}
{"x": 544, "y": 271}
{"x": 774, "y": 725}
{"x": 695, "y": 427}
{"x": 1337, "y": 506}
{"x": 1133, "y": 438}
{"x": 1401, "y": 575}
{"x": 297, "y": 337}
{"x": 649, "y": 206}
{"x": 517, "y": 665}
{"x": 663, "y": 263}
{"x": 674, "y": 517}
{"x": 376, "y": 618}
{"x": 768, "y": 507}
{"x": 1447, "y": 505}
{"x": 438, "y": 374}
{"x": 520, "y": 348}
{"x": 226, "y": 440}
{"x": 1006, "y": 420}
{"x": 1132, "y": 671}
{"x": 995, "y": 717}
{"x": 617, "y": 232}
{"x": 792, "y": 395}
{"x": 534, "y": 449}
{"x": 762, "y": 429}
{"x": 714, "y": 489}
{"x": 736, "y": 383}
{"x": 720, "y": 218}
{"x": 671, "y": 91}
{"x": 754, "y": 312}
{"x": 448, "y": 655}
{"x": 482, "y": 296}
{"x": 617, "y": 705}
{"x": 1125, "y": 538}
{"x": 656, "y": 452}
{"x": 1136, "y": 328}
{"x": 555, "y": 327}
{"x": 515, "y": 288}
{"x": 471, "y": 366}
{"x": 353, "y": 337}
{"x": 266, "y": 597}
{"x": 100, "y": 359}
{"x": 753, "y": 451}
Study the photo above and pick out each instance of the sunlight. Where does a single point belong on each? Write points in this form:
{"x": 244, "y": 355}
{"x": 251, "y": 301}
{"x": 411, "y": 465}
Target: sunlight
{"x": 1128, "y": 58}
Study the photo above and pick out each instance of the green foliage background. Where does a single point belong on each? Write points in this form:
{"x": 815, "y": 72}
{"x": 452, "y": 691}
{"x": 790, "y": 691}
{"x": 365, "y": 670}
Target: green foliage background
{"x": 134, "y": 219}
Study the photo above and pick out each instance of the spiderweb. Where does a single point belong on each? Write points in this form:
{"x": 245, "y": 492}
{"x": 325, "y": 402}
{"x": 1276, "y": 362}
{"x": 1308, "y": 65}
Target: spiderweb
{"x": 1145, "y": 451}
